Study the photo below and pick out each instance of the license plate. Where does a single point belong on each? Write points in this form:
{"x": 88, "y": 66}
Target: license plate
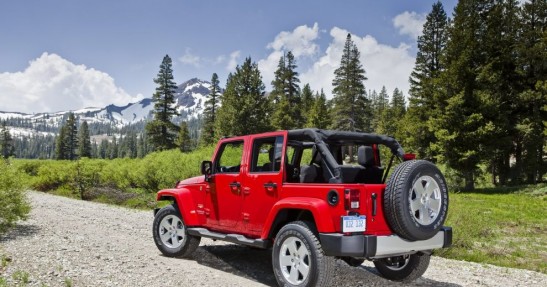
{"x": 354, "y": 223}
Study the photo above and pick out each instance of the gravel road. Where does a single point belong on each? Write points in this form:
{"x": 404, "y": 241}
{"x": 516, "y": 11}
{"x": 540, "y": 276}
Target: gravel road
{"x": 89, "y": 244}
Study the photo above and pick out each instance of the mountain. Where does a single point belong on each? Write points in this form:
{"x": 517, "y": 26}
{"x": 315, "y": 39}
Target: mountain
{"x": 191, "y": 96}
{"x": 190, "y": 99}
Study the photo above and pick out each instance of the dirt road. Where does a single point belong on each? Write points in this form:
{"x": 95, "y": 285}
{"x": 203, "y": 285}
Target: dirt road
{"x": 77, "y": 243}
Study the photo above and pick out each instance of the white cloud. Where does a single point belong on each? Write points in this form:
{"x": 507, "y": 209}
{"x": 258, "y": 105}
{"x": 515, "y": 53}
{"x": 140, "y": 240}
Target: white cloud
{"x": 384, "y": 64}
{"x": 300, "y": 41}
{"x": 51, "y": 83}
{"x": 410, "y": 23}
{"x": 190, "y": 59}
{"x": 232, "y": 62}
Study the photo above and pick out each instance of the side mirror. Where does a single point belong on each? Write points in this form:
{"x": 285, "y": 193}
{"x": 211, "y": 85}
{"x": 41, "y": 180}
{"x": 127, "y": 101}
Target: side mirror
{"x": 206, "y": 167}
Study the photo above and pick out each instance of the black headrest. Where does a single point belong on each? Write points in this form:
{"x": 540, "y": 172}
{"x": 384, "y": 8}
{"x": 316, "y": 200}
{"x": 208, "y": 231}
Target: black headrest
{"x": 365, "y": 156}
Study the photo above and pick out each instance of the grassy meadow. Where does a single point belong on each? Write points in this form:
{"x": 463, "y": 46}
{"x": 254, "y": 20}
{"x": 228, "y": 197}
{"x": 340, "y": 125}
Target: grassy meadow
{"x": 501, "y": 226}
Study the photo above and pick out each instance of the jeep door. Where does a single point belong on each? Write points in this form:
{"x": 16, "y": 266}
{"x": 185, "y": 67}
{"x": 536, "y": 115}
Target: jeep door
{"x": 263, "y": 180}
{"x": 224, "y": 200}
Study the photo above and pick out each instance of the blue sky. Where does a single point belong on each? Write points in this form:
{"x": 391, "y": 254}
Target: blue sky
{"x": 59, "y": 55}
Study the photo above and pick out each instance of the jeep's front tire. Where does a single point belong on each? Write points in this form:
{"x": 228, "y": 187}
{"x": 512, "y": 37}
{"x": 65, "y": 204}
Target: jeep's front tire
{"x": 416, "y": 200}
{"x": 403, "y": 268}
{"x": 170, "y": 234}
{"x": 298, "y": 259}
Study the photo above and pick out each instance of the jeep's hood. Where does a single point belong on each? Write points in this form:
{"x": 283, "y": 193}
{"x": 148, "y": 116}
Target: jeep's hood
{"x": 192, "y": 180}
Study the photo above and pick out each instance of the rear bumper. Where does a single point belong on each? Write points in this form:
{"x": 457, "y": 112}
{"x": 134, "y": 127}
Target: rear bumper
{"x": 370, "y": 246}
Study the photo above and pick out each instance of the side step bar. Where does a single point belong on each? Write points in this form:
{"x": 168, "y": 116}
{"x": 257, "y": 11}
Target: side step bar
{"x": 234, "y": 238}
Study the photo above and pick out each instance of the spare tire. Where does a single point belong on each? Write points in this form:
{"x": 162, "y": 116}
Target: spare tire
{"x": 416, "y": 200}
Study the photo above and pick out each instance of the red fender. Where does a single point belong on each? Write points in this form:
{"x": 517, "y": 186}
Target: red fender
{"x": 318, "y": 207}
{"x": 188, "y": 209}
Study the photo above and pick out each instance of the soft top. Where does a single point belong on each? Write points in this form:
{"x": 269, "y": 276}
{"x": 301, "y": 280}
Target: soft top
{"x": 331, "y": 136}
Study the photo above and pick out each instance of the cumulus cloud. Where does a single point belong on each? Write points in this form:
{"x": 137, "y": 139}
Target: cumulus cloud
{"x": 301, "y": 42}
{"x": 190, "y": 59}
{"x": 410, "y": 23}
{"x": 51, "y": 83}
{"x": 232, "y": 62}
{"x": 384, "y": 65}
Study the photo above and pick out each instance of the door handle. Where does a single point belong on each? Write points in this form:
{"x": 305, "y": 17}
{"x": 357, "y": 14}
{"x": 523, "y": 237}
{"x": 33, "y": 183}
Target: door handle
{"x": 270, "y": 186}
{"x": 234, "y": 186}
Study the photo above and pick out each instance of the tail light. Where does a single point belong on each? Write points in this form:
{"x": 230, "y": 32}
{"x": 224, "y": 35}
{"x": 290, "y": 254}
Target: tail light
{"x": 352, "y": 198}
{"x": 409, "y": 156}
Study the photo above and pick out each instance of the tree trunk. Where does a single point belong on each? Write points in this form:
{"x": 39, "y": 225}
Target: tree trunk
{"x": 517, "y": 172}
{"x": 469, "y": 181}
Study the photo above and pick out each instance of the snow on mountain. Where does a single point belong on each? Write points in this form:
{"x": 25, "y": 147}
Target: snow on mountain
{"x": 191, "y": 96}
{"x": 190, "y": 100}
{"x": 27, "y": 132}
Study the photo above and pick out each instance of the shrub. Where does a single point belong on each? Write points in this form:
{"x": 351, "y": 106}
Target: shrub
{"x": 86, "y": 175}
{"x": 13, "y": 201}
{"x": 53, "y": 175}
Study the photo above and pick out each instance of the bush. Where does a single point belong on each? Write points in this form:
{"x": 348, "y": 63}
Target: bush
{"x": 116, "y": 180}
{"x": 14, "y": 205}
{"x": 53, "y": 175}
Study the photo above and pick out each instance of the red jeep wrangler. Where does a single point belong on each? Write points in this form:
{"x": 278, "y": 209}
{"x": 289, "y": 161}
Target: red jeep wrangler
{"x": 303, "y": 194}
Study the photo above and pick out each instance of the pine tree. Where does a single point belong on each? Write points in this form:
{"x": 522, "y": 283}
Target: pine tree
{"x": 392, "y": 116}
{"x": 6, "y": 142}
{"x": 244, "y": 109}
{"x": 141, "y": 146}
{"x": 424, "y": 83}
{"x": 351, "y": 107}
{"x": 286, "y": 95}
{"x": 318, "y": 117}
{"x": 499, "y": 84}
{"x": 161, "y": 131}
{"x": 183, "y": 140}
{"x": 379, "y": 104}
{"x": 131, "y": 145}
{"x": 60, "y": 144}
{"x": 84, "y": 147}
{"x": 112, "y": 151}
{"x": 207, "y": 136}
{"x": 531, "y": 131}
{"x": 398, "y": 104}
{"x": 461, "y": 128}
{"x": 307, "y": 101}
{"x": 66, "y": 146}
{"x": 71, "y": 138}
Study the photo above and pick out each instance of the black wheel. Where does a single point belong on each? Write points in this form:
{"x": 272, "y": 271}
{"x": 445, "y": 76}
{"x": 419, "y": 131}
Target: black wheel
{"x": 170, "y": 234}
{"x": 416, "y": 200}
{"x": 298, "y": 259}
{"x": 403, "y": 268}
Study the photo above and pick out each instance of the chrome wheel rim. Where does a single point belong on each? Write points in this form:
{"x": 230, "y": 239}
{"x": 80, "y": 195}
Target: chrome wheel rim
{"x": 425, "y": 200}
{"x": 294, "y": 260}
{"x": 172, "y": 231}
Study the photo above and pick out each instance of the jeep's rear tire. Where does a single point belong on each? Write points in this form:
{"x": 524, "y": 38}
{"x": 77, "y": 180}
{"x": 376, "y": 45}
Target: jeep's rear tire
{"x": 170, "y": 234}
{"x": 403, "y": 268}
{"x": 298, "y": 259}
{"x": 416, "y": 200}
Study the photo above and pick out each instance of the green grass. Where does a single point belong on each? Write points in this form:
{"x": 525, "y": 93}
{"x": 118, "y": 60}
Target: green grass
{"x": 21, "y": 276}
{"x": 501, "y": 226}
